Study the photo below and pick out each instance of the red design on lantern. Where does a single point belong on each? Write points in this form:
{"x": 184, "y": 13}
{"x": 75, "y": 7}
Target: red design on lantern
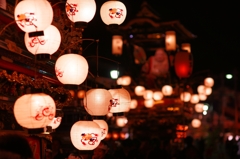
{"x": 26, "y": 19}
{"x": 59, "y": 73}
{"x": 183, "y": 64}
{"x": 114, "y": 102}
{"x": 36, "y": 40}
{"x": 44, "y": 112}
{"x": 89, "y": 138}
{"x": 71, "y": 9}
{"x": 115, "y": 12}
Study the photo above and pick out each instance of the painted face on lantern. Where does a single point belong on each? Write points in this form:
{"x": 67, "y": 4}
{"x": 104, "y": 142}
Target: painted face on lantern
{"x": 71, "y": 9}
{"x": 115, "y": 12}
{"x": 89, "y": 138}
{"x": 26, "y": 19}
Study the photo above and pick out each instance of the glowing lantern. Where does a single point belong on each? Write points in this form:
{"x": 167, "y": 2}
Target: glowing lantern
{"x": 196, "y": 123}
{"x": 183, "y": 64}
{"x": 157, "y": 95}
{"x": 97, "y": 101}
{"x": 194, "y": 99}
{"x": 34, "y": 110}
{"x": 149, "y": 103}
{"x": 170, "y": 41}
{"x": 55, "y": 122}
{"x": 121, "y": 100}
{"x": 85, "y": 135}
{"x": 117, "y": 44}
{"x": 201, "y": 89}
{"x": 33, "y": 16}
{"x": 185, "y": 96}
{"x": 208, "y": 90}
{"x": 134, "y": 104}
{"x": 208, "y": 82}
{"x": 186, "y": 47}
{"x": 44, "y": 46}
{"x": 167, "y": 90}
{"x": 104, "y": 127}
{"x": 199, "y": 107}
{"x": 148, "y": 94}
{"x": 80, "y": 11}
{"x": 139, "y": 90}
{"x": 124, "y": 80}
{"x": 113, "y": 12}
{"x": 202, "y": 97}
{"x": 121, "y": 121}
{"x": 71, "y": 69}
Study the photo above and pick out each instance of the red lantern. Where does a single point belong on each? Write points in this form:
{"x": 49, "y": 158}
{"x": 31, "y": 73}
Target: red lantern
{"x": 183, "y": 64}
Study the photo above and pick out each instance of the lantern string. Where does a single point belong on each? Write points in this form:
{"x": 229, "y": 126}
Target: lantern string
{"x": 6, "y": 27}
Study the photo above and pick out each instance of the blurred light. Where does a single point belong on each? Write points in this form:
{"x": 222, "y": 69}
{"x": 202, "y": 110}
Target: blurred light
{"x": 229, "y": 76}
{"x": 205, "y": 107}
{"x": 204, "y": 112}
{"x": 230, "y": 137}
{"x": 237, "y": 138}
{"x": 114, "y": 74}
{"x": 131, "y": 36}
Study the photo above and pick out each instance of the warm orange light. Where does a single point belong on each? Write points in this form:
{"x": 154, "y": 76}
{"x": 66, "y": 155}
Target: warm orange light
{"x": 170, "y": 41}
{"x": 167, "y": 90}
{"x": 208, "y": 82}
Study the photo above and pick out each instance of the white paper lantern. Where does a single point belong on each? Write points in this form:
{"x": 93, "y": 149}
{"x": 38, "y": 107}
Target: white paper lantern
{"x": 124, "y": 81}
{"x": 47, "y": 44}
{"x": 170, "y": 41}
{"x": 201, "y": 89}
{"x": 208, "y": 91}
{"x": 139, "y": 90}
{"x": 80, "y": 11}
{"x": 202, "y": 97}
{"x": 199, "y": 107}
{"x": 185, "y": 96}
{"x": 208, "y": 82}
{"x": 121, "y": 121}
{"x": 149, "y": 103}
{"x": 196, "y": 123}
{"x": 167, "y": 90}
{"x": 157, "y": 95}
{"x": 55, "y": 122}
{"x": 194, "y": 99}
{"x": 71, "y": 69}
{"x": 104, "y": 127}
{"x": 85, "y": 135}
{"x": 97, "y": 101}
{"x": 121, "y": 100}
{"x": 117, "y": 44}
{"x": 33, "y": 15}
{"x": 34, "y": 110}
{"x": 113, "y": 12}
{"x": 134, "y": 104}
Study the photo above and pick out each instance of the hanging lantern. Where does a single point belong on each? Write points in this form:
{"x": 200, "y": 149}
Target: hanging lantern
{"x": 117, "y": 44}
{"x": 149, "y": 103}
{"x": 183, "y": 64}
{"x": 170, "y": 41}
{"x": 33, "y": 16}
{"x": 97, "y": 101}
{"x": 121, "y": 100}
{"x": 124, "y": 81}
{"x": 134, "y": 104}
{"x": 80, "y": 11}
{"x": 55, "y": 122}
{"x": 113, "y": 12}
{"x": 139, "y": 90}
{"x": 44, "y": 46}
{"x": 148, "y": 94}
{"x": 196, "y": 123}
{"x": 85, "y": 135}
{"x": 71, "y": 69}
{"x": 167, "y": 90}
{"x": 194, "y": 99}
{"x": 104, "y": 127}
{"x": 185, "y": 96}
{"x": 157, "y": 95}
{"x": 208, "y": 91}
{"x": 34, "y": 110}
{"x": 199, "y": 107}
{"x": 202, "y": 97}
{"x": 201, "y": 89}
{"x": 121, "y": 121}
{"x": 186, "y": 47}
{"x": 208, "y": 82}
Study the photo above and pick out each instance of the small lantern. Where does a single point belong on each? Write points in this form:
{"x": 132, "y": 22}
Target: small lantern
{"x": 208, "y": 91}
{"x": 121, "y": 121}
{"x": 80, "y": 11}
{"x": 196, "y": 123}
{"x": 208, "y": 82}
{"x": 185, "y": 96}
{"x": 55, "y": 122}
{"x": 148, "y": 94}
{"x": 202, "y": 97}
{"x": 71, "y": 69}
{"x": 149, "y": 103}
{"x": 104, "y": 127}
{"x": 194, "y": 99}
{"x": 134, "y": 104}
{"x": 183, "y": 64}
{"x": 85, "y": 135}
{"x": 113, "y": 12}
{"x": 124, "y": 81}
{"x": 199, "y": 107}
{"x": 121, "y": 100}
{"x": 33, "y": 16}
{"x": 139, "y": 90}
{"x": 117, "y": 44}
{"x": 97, "y": 101}
{"x": 34, "y": 110}
{"x": 44, "y": 46}
{"x": 186, "y": 47}
{"x": 170, "y": 41}
{"x": 167, "y": 90}
{"x": 201, "y": 89}
{"x": 157, "y": 95}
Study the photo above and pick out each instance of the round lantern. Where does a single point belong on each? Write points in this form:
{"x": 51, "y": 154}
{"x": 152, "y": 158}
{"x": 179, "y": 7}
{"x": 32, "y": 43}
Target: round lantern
{"x": 186, "y": 47}
{"x": 170, "y": 40}
{"x": 199, "y": 107}
{"x": 208, "y": 90}
{"x": 167, "y": 90}
{"x": 55, "y": 122}
{"x": 208, "y": 82}
{"x": 104, "y": 127}
{"x": 97, "y": 101}
{"x": 139, "y": 90}
{"x": 124, "y": 81}
{"x": 117, "y": 44}
{"x": 134, "y": 104}
{"x": 121, "y": 121}
{"x": 113, "y": 12}
{"x": 148, "y": 94}
{"x": 121, "y": 100}
{"x": 149, "y": 103}
{"x": 34, "y": 110}
{"x": 44, "y": 46}
{"x": 185, "y": 96}
{"x": 157, "y": 95}
{"x": 85, "y": 135}
{"x": 196, "y": 123}
{"x": 183, "y": 64}
{"x": 33, "y": 16}
{"x": 80, "y": 11}
{"x": 201, "y": 89}
{"x": 71, "y": 69}
{"x": 194, "y": 99}
{"x": 202, "y": 97}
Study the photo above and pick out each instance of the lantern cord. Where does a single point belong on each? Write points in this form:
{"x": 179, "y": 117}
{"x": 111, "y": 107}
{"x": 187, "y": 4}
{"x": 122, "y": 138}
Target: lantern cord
{"x": 6, "y": 27}
{"x": 97, "y": 56}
